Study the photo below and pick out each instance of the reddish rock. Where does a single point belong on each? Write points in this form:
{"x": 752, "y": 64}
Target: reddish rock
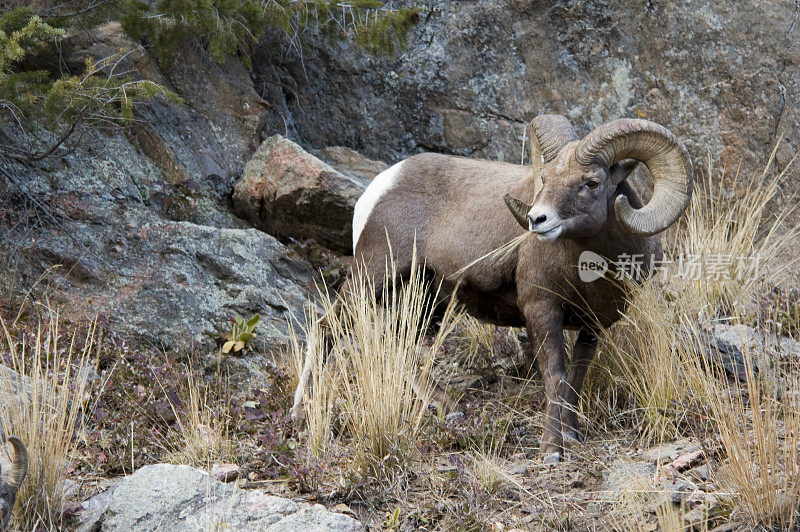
{"x": 225, "y": 472}
{"x": 289, "y": 193}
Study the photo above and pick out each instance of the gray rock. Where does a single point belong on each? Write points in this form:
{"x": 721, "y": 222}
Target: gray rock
{"x": 698, "y": 516}
{"x": 677, "y": 489}
{"x": 185, "y": 499}
{"x": 173, "y": 281}
{"x": 700, "y": 473}
{"x": 667, "y": 452}
{"x": 718, "y": 352}
{"x": 288, "y": 192}
{"x": 199, "y": 148}
{"x": 135, "y": 226}
{"x": 753, "y": 341}
{"x": 476, "y": 71}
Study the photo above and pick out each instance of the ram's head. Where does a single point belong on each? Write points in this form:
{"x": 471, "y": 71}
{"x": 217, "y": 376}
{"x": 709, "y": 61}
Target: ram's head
{"x": 579, "y": 177}
{"x": 12, "y": 481}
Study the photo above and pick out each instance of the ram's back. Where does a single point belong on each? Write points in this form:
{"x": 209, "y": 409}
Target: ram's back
{"x": 452, "y": 210}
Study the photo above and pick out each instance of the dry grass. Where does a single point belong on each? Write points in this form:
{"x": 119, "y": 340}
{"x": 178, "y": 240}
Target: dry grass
{"x": 382, "y": 375}
{"x": 492, "y": 473}
{"x": 638, "y": 500}
{"x": 325, "y": 386}
{"x": 723, "y": 222}
{"x": 482, "y": 346}
{"x": 668, "y": 517}
{"x": 653, "y": 363}
{"x": 760, "y": 433}
{"x": 734, "y": 220}
{"x": 490, "y": 470}
{"x": 45, "y": 412}
{"x": 204, "y": 436}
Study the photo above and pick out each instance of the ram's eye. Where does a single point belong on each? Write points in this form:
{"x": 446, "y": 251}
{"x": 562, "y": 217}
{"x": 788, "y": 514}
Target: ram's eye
{"x": 592, "y": 184}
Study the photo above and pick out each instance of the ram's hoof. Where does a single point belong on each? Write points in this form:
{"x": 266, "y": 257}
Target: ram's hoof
{"x": 552, "y": 458}
{"x": 572, "y": 436}
{"x": 298, "y": 418}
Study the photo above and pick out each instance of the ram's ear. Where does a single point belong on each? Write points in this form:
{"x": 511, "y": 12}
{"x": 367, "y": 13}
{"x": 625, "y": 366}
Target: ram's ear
{"x": 519, "y": 209}
{"x": 620, "y": 171}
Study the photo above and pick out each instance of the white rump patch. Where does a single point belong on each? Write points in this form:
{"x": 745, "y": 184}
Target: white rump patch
{"x": 369, "y": 199}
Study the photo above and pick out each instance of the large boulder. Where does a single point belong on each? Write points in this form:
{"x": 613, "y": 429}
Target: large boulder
{"x": 107, "y": 246}
{"x": 135, "y": 225}
{"x": 289, "y": 193}
{"x": 168, "y": 283}
{"x": 181, "y": 498}
{"x": 476, "y": 71}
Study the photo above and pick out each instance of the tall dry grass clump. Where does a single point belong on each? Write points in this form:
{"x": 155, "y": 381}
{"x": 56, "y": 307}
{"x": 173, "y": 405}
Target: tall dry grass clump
{"x": 734, "y": 221}
{"x": 657, "y": 358}
{"x": 759, "y": 428}
{"x": 43, "y": 400}
{"x": 204, "y": 435}
{"x": 320, "y": 410}
{"x": 378, "y": 367}
{"x": 727, "y": 249}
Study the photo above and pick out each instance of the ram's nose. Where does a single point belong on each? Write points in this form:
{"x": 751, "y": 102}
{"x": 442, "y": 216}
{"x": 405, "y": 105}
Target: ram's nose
{"x": 536, "y": 220}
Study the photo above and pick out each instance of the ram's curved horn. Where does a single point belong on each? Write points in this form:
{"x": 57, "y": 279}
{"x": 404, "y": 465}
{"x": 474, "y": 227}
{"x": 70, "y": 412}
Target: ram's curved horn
{"x": 550, "y": 134}
{"x": 537, "y": 159}
{"x": 19, "y": 467}
{"x": 663, "y": 154}
{"x": 519, "y": 209}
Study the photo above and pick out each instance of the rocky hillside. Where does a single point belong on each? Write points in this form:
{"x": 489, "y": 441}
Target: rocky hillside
{"x": 719, "y": 74}
{"x": 140, "y": 226}
{"x": 143, "y": 226}
{"x": 239, "y": 201}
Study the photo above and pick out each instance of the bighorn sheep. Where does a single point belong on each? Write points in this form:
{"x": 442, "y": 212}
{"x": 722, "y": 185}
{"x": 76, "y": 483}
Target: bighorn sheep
{"x": 10, "y": 485}
{"x": 452, "y": 209}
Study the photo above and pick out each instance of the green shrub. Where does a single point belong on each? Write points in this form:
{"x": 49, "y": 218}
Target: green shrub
{"x": 37, "y": 100}
{"x": 32, "y": 97}
{"x": 228, "y": 27}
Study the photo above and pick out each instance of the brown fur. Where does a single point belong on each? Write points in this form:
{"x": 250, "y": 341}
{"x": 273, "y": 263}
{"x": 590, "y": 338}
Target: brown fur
{"x": 452, "y": 210}
{"x": 10, "y": 483}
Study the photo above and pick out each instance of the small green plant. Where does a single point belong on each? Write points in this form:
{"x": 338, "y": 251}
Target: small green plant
{"x": 392, "y": 520}
{"x": 237, "y": 339}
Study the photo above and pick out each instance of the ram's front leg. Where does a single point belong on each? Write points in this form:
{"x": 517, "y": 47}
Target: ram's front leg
{"x": 582, "y": 354}
{"x": 545, "y": 322}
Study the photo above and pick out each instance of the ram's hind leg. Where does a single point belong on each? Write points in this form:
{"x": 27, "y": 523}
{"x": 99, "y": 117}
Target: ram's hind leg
{"x": 313, "y": 353}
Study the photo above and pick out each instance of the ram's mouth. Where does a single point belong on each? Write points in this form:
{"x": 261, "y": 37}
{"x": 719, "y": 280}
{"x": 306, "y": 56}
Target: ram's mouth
{"x": 550, "y": 234}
